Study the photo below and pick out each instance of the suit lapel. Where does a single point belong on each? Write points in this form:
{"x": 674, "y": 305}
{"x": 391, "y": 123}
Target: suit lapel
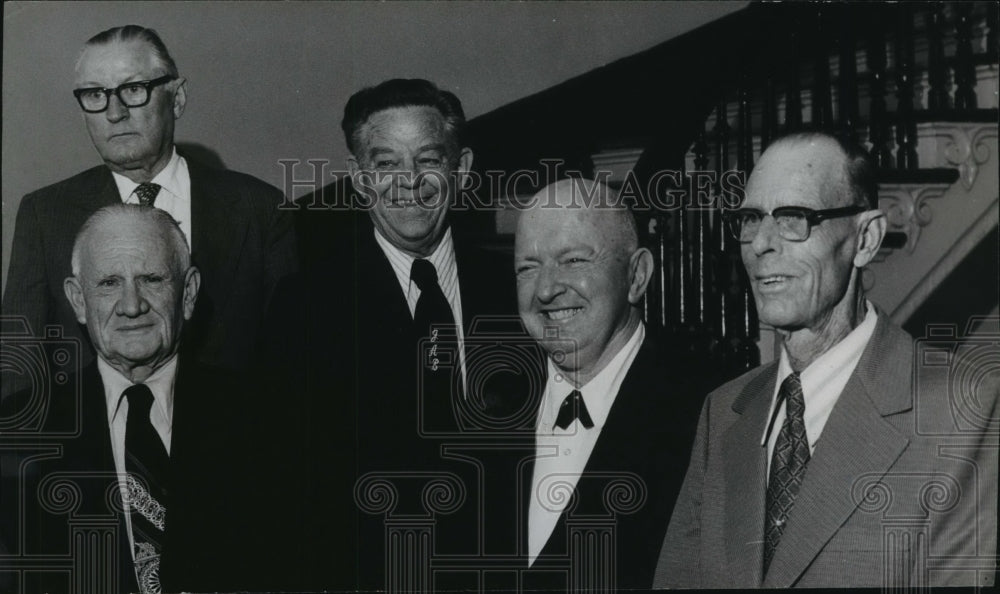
{"x": 469, "y": 286}
{"x": 746, "y": 468}
{"x": 526, "y": 473}
{"x": 100, "y": 191}
{"x": 856, "y": 441}
{"x": 619, "y": 440}
{"x": 97, "y": 435}
{"x": 381, "y": 292}
{"x": 218, "y": 229}
{"x": 622, "y": 437}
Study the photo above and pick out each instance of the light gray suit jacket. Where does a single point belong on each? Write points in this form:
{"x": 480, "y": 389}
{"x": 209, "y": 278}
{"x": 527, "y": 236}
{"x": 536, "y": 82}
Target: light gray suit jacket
{"x": 901, "y": 489}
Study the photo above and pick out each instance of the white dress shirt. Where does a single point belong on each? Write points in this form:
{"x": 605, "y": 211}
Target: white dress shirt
{"x": 822, "y": 382}
{"x": 562, "y": 454}
{"x": 175, "y": 192}
{"x": 161, "y": 414}
{"x": 443, "y": 259}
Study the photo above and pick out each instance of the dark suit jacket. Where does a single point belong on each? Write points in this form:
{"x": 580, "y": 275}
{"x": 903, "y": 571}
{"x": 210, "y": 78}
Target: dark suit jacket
{"x": 58, "y": 473}
{"x": 342, "y": 335}
{"x": 242, "y": 243}
{"x": 635, "y": 468}
{"x": 901, "y": 486}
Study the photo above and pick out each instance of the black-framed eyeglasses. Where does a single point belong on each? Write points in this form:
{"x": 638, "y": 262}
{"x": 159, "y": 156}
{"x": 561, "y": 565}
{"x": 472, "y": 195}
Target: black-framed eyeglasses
{"x": 131, "y": 94}
{"x": 794, "y": 222}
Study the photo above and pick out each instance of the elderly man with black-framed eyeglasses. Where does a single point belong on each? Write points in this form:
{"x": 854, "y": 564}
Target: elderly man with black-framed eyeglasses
{"x": 851, "y": 461}
{"x": 131, "y": 95}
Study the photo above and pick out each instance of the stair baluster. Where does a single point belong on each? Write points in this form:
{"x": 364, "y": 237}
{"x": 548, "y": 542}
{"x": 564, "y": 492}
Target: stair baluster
{"x": 906, "y": 127}
{"x": 742, "y": 352}
{"x": 822, "y": 113}
{"x": 847, "y": 81}
{"x": 937, "y": 73}
{"x": 965, "y": 69}
{"x": 879, "y": 130}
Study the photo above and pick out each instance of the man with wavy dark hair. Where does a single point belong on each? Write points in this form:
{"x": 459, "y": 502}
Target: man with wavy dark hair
{"x": 377, "y": 333}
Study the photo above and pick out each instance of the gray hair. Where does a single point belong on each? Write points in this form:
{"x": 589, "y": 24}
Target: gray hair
{"x": 133, "y": 213}
{"x": 136, "y": 33}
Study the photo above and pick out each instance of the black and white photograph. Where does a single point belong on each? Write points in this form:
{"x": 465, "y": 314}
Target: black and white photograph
{"x": 430, "y": 296}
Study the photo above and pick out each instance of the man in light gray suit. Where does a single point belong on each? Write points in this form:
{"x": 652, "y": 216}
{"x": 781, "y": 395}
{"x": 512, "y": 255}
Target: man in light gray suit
{"x": 851, "y": 461}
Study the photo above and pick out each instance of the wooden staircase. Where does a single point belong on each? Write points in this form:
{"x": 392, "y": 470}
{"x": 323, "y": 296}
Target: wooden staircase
{"x": 915, "y": 83}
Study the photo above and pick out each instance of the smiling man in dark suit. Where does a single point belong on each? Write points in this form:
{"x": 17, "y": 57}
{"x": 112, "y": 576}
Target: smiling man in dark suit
{"x": 842, "y": 464}
{"x": 614, "y": 424}
{"x": 159, "y": 451}
{"x": 130, "y": 93}
{"x": 383, "y": 279}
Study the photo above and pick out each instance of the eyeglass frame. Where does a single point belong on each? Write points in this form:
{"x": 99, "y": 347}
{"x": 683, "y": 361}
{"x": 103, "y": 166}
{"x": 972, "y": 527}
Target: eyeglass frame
{"x": 811, "y": 216}
{"x": 148, "y": 85}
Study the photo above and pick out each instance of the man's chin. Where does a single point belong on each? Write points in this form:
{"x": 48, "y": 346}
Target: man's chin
{"x": 124, "y": 160}
{"x": 135, "y": 358}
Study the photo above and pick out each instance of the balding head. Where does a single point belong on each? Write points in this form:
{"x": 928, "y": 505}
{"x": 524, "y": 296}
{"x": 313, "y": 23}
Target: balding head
{"x": 581, "y": 275}
{"x": 586, "y": 199}
{"x": 132, "y": 286}
{"x": 132, "y": 214}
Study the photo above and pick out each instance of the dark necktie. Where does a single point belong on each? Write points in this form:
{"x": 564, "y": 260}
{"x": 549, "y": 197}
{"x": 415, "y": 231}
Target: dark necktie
{"x": 433, "y": 311}
{"x": 573, "y": 407}
{"x": 146, "y": 192}
{"x": 146, "y": 465}
{"x": 788, "y": 465}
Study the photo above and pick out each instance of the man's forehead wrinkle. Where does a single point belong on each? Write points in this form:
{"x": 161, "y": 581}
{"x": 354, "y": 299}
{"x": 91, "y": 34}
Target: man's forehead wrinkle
{"x": 798, "y": 174}
{"x": 117, "y": 59}
{"x": 383, "y": 139}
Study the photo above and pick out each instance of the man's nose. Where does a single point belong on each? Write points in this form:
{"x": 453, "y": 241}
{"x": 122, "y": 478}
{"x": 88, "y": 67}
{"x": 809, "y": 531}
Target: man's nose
{"x": 132, "y": 304}
{"x": 409, "y": 176}
{"x": 548, "y": 284}
{"x": 116, "y": 111}
{"x": 767, "y": 237}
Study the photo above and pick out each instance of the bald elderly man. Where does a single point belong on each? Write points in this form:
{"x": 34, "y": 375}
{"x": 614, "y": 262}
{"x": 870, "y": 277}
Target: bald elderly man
{"x": 850, "y": 461}
{"x": 144, "y": 426}
{"x": 612, "y": 414}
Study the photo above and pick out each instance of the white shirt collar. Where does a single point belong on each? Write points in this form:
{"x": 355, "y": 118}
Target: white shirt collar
{"x": 598, "y": 394}
{"x": 169, "y": 179}
{"x": 824, "y": 379}
{"x": 160, "y": 383}
{"x": 443, "y": 259}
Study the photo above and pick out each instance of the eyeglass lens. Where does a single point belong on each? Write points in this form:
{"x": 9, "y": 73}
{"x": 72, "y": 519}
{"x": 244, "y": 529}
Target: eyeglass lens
{"x": 791, "y": 226}
{"x": 131, "y": 95}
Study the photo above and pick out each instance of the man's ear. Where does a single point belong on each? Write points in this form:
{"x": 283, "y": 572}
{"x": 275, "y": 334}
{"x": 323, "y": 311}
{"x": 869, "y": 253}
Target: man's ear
{"x": 192, "y": 282}
{"x": 464, "y": 166}
{"x": 74, "y": 293}
{"x": 180, "y": 98}
{"x": 873, "y": 226}
{"x": 640, "y": 272}
{"x": 353, "y": 168}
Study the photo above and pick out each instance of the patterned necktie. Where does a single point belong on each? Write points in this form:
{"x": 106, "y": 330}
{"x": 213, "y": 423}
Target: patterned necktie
{"x": 433, "y": 310}
{"x": 146, "y": 192}
{"x": 573, "y": 407}
{"x": 788, "y": 465}
{"x": 146, "y": 465}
